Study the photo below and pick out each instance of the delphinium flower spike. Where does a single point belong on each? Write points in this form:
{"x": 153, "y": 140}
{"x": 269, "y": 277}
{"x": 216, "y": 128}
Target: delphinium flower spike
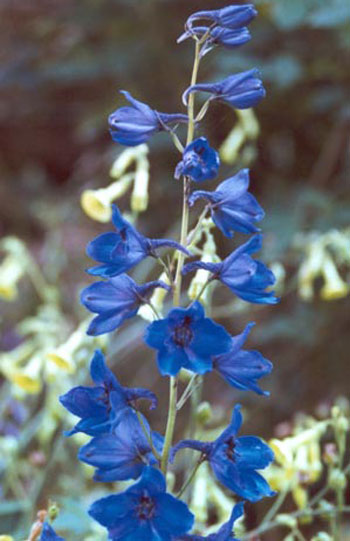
{"x": 123, "y": 445}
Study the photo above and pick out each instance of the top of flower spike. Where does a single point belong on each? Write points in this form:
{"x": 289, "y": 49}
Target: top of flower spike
{"x": 234, "y": 16}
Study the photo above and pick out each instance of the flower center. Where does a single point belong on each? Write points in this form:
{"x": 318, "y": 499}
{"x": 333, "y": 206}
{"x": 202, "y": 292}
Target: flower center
{"x": 145, "y": 510}
{"x": 183, "y": 333}
{"x": 230, "y": 451}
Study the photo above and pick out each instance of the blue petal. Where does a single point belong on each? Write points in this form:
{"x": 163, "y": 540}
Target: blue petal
{"x": 172, "y": 516}
{"x": 252, "y": 452}
{"x": 210, "y": 338}
{"x": 102, "y": 247}
{"x": 48, "y": 533}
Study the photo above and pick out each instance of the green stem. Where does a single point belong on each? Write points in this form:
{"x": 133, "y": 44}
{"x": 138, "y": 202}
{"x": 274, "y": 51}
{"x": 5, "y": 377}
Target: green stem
{"x": 170, "y": 423}
{"x": 275, "y": 506}
{"x": 148, "y": 436}
{"x": 195, "y": 230}
{"x": 190, "y": 478}
{"x": 169, "y": 433}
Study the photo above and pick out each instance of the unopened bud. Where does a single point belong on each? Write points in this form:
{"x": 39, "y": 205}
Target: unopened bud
{"x": 204, "y": 413}
{"x": 286, "y": 520}
{"x": 337, "y": 479}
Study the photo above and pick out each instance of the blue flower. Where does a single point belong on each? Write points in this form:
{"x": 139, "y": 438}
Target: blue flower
{"x": 234, "y": 460}
{"x": 224, "y": 533}
{"x": 246, "y": 277}
{"x": 93, "y": 404}
{"x": 48, "y": 533}
{"x": 125, "y": 451}
{"x": 144, "y": 512}
{"x": 115, "y": 300}
{"x": 187, "y": 339}
{"x": 242, "y": 90}
{"x": 199, "y": 161}
{"x": 134, "y": 125}
{"x": 121, "y": 250}
{"x": 229, "y": 16}
{"x": 218, "y": 35}
{"x": 241, "y": 368}
{"x": 232, "y": 207}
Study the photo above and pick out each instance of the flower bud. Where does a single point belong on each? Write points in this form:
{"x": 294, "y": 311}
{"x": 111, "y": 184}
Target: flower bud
{"x": 204, "y": 413}
{"x": 322, "y": 536}
{"x": 286, "y": 520}
{"x": 337, "y": 479}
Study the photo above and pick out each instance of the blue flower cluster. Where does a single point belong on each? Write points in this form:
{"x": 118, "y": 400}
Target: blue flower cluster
{"x": 123, "y": 446}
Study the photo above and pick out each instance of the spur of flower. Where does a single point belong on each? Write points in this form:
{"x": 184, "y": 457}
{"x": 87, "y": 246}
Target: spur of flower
{"x": 120, "y": 250}
{"x": 224, "y": 533}
{"x": 242, "y": 368}
{"x": 233, "y": 17}
{"x": 93, "y": 404}
{"x": 241, "y": 90}
{"x": 245, "y": 276}
{"x": 199, "y": 161}
{"x": 135, "y": 124}
{"x": 187, "y": 339}
{"x": 115, "y": 300}
{"x": 217, "y": 35}
{"x": 144, "y": 512}
{"x": 125, "y": 451}
{"x": 234, "y": 460}
{"x": 231, "y": 206}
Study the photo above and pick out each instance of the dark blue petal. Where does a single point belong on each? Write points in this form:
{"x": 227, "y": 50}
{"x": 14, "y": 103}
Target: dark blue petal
{"x": 199, "y": 161}
{"x": 172, "y": 516}
{"x": 231, "y": 430}
{"x": 230, "y": 16}
{"x": 203, "y": 447}
{"x": 252, "y": 452}
{"x": 210, "y": 338}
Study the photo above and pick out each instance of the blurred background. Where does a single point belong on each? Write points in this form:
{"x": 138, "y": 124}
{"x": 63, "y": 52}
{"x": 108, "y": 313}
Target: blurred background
{"x": 62, "y": 64}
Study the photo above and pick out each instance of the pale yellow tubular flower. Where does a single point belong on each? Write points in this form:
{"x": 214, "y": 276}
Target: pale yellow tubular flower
{"x": 6, "y": 538}
{"x": 249, "y": 122}
{"x": 334, "y": 286}
{"x": 310, "y": 268}
{"x": 247, "y": 128}
{"x": 199, "y": 497}
{"x": 63, "y": 355}
{"x": 97, "y": 203}
{"x": 29, "y": 378}
{"x": 11, "y": 271}
{"x": 139, "y": 196}
{"x": 126, "y": 158}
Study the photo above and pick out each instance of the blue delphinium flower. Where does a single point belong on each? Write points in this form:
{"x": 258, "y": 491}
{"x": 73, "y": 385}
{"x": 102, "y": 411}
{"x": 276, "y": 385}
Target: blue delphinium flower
{"x": 242, "y": 90}
{"x": 93, "y": 404}
{"x": 115, "y": 300}
{"x": 199, "y": 161}
{"x": 245, "y": 276}
{"x": 224, "y": 533}
{"x": 122, "y": 249}
{"x": 234, "y": 460}
{"x": 144, "y": 512}
{"x": 232, "y": 207}
{"x": 218, "y": 35}
{"x": 134, "y": 125}
{"x": 125, "y": 451}
{"x": 187, "y": 339}
{"x": 241, "y": 368}
{"x": 233, "y": 16}
{"x": 49, "y": 534}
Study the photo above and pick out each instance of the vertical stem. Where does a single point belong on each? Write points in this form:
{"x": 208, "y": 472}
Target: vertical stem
{"x": 169, "y": 433}
{"x": 170, "y": 423}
